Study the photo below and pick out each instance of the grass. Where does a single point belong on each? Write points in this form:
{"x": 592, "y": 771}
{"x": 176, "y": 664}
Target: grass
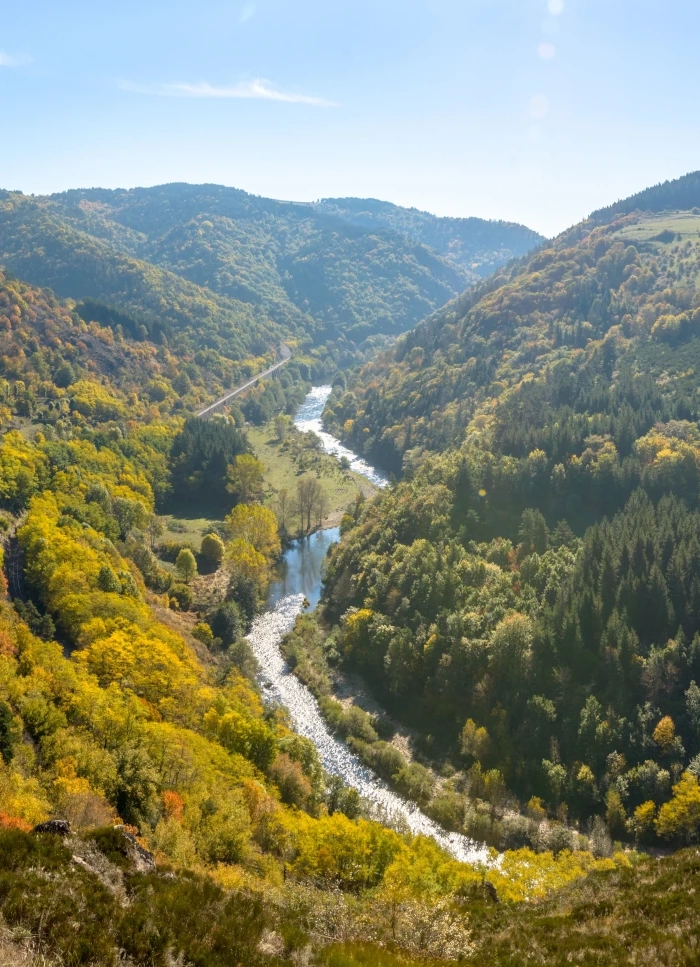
{"x": 365, "y": 955}
{"x": 685, "y": 224}
{"x": 189, "y": 529}
{"x": 286, "y": 462}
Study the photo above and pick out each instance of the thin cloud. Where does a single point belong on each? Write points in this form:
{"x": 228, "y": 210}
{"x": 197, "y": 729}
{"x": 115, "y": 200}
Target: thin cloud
{"x": 247, "y": 12}
{"x": 260, "y": 90}
{"x": 14, "y": 60}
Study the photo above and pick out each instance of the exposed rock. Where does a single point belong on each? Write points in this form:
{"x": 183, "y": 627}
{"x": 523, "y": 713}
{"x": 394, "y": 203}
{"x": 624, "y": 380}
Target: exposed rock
{"x": 143, "y": 860}
{"x": 57, "y": 827}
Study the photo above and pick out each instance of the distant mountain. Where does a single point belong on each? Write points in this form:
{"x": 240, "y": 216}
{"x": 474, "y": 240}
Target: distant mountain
{"x": 478, "y": 245}
{"x": 241, "y": 268}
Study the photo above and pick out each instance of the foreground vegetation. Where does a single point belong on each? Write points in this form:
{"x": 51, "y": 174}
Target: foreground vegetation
{"x": 92, "y": 899}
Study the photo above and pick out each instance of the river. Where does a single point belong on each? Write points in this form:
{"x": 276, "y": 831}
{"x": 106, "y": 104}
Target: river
{"x": 300, "y": 576}
{"x": 309, "y": 418}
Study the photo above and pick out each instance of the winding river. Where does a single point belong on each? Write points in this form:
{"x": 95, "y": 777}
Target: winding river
{"x": 299, "y": 579}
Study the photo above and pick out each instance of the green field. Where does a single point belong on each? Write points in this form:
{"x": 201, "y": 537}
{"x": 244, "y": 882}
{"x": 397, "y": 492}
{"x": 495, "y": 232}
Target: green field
{"x": 649, "y": 227}
{"x": 189, "y": 530}
{"x": 286, "y": 462}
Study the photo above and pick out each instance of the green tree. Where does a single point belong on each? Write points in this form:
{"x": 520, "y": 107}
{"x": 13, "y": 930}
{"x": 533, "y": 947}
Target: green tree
{"x": 155, "y": 529}
{"x": 283, "y": 426}
{"x": 129, "y": 514}
{"x": 108, "y": 581}
{"x": 186, "y": 565}
{"x": 245, "y": 479}
{"x": 9, "y": 733}
{"x": 213, "y": 548}
{"x": 533, "y": 533}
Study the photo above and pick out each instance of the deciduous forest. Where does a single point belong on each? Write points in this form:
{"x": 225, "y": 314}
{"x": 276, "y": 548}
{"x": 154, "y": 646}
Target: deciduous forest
{"x": 520, "y": 606}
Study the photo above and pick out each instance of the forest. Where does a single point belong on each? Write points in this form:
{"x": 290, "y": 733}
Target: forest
{"x": 521, "y": 602}
{"x": 479, "y": 246}
{"x": 525, "y": 597}
{"x": 243, "y": 267}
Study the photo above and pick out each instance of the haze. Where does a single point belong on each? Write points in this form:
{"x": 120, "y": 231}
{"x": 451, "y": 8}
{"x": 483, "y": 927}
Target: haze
{"x": 517, "y": 109}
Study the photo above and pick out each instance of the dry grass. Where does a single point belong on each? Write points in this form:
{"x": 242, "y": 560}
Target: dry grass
{"x": 16, "y": 952}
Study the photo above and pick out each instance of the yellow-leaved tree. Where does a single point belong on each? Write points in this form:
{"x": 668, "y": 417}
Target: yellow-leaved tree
{"x": 679, "y": 818}
{"x": 256, "y": 526}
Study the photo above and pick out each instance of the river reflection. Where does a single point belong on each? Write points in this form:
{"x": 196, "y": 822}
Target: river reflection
{"x": 300, "y": 570}
{"x": 300, "y": 577}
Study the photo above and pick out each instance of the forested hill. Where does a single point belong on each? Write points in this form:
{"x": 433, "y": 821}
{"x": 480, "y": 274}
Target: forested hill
{"x": 245, "y": 268}
{"x": 609, "y": 306}
{"x": 527, "y": 596}
{"x": 681, "y": 194}
{"x": 477, "y": 244}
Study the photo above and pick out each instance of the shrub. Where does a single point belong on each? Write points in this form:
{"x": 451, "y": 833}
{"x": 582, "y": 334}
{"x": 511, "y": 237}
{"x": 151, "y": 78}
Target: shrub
{"x": 202, "y": 632}
{"x": 212, "y": 548}
{"x": 182, "y": 596}
{"x": 227, "y": 623}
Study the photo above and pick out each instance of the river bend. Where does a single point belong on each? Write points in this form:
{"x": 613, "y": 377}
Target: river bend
{"x": 300, "y": 579}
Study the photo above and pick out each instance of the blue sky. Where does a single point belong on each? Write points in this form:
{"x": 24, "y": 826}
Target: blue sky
{"x": 531, "y": 110}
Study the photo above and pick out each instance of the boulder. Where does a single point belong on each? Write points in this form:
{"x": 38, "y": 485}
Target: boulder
{"x": 56, "y": 827}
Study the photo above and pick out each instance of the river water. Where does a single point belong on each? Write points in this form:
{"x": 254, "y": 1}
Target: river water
{"x": 309, "y": 418}
{"x": 300, "y": 577}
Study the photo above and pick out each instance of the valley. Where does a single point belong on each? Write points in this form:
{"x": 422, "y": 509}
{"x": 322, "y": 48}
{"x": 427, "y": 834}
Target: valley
{"x": 488, "y": 524}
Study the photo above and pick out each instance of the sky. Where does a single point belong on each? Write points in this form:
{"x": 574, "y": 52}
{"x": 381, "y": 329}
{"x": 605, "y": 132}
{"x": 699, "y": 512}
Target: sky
{"x": 536, "y": 111}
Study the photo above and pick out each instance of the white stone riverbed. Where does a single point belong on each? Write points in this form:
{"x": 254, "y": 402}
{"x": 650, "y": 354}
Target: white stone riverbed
{"x": 280, "y": 685}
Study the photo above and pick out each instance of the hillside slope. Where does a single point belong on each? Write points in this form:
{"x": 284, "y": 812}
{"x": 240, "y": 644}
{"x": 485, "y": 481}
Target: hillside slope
{"x": 527, "y": 596}
{"x": 478, "y": 245}
{"x": 315, "y": 275}
{"x": 598, "y": 289}
{"x": 250, "y": 264}
{"x": 41, "y": 247}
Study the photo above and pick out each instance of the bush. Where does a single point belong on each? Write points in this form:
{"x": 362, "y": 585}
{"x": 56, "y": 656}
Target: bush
{"x": 518, "y": 832}
{"x": 212, "y": 548}
{"x": 202, "y": 632}
{"x": 169, "y": 550}
{"x": 182, "y": 596}
{"x": 294, "y": 786}
{"x": 241, "y": 656}
{"x": 385, "y": 759}
{"x": 111, "y": 843}
{"x": 357, "y": 723}
{"x": 415, "y": 782}
{"x": 447, "y": 809}
{"x": 227, "y": 623}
